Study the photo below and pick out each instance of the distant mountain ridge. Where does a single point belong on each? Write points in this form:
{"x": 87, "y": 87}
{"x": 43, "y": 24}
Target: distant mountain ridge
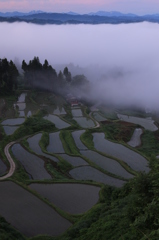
{"x": 40, "y": 17}
{"x": 17, "y": 14}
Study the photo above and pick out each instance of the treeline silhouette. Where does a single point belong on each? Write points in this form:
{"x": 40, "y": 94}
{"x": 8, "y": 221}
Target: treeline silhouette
{"x": 8, "y": 76}
{"x": 37, "y": 76}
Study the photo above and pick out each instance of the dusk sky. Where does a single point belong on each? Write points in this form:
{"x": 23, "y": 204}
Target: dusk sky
{"x": 81, "y": 6}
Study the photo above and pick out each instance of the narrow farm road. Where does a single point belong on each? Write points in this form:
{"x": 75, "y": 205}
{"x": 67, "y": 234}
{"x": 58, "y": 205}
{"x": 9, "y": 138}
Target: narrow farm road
{"x": 11, "y": 162}
{"x": 97, "y": 123}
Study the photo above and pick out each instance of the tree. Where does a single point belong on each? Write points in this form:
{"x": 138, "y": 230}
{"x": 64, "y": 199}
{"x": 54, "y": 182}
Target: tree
{"x": 67, "y": 74}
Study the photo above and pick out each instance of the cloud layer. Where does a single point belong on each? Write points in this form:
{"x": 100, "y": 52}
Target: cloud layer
{"x": 121, "y": 60}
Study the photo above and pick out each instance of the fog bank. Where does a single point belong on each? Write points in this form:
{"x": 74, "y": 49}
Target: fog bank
{"x": 121, "y": 60}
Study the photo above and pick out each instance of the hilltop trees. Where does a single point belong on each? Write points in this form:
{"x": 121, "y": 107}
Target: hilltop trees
{"x": 67, "y": 74}
{"x": 40, "y": 76}
{"x": 44, "y": 76}
{"x": 8, "y": 76}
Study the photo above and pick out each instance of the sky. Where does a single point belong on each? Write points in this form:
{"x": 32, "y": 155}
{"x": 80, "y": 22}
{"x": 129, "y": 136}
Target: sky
{"x": 139, "y": 7}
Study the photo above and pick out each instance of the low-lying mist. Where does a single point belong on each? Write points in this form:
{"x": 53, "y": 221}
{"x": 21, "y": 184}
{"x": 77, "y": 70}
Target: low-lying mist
{"x": 121, "y": 61}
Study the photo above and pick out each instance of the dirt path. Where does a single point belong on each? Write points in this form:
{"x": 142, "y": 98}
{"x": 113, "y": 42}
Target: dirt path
{"x": 97, "y": 123}
{"x": 11, "y": 162}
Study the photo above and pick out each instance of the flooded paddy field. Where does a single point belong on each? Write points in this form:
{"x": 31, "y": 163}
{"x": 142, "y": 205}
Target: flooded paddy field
{"x": 135, "y": 140}
{"x": 32, "y": 164}
{"x": 76, "y": 136}
{"x": 21, "y": 98}
{"x": 9, "y": 130}
{"x": 84, "y": 122}
{"x": 107, "y": 164}
{"x": 34, "y": 145}
{"x": 147, "y": 123}
{"x": 20, "y": 106}
{"x": 90, "y": 173}
{"x": 59, "y": 123}
{"x": 77, "y": 112}
{"x": 74, "y": 161}
{"x": 72, "y": 198}
{"x": 27, "y": 213}
{"x": 59, "y": 111}
{"x": 55, "y": 144}
{"x": 98, "y": 117}
{"x": 13, "y": 121}
{"x": 3, "y": 168}
{"x": 133, "y": 159}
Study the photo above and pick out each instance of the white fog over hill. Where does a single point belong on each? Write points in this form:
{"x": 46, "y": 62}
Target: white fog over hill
{"x": 122, "y": 60}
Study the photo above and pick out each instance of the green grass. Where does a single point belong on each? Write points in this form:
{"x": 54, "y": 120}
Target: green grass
{"x": 33, "y": 125}
{"x": 20, "y": 174}
{"x": 44, "y": 141}
{"x": 68, "y": 142}
{"x": 109, "y": 114}
{"x": 87, "y": 139}
{"x": 150, "y": 143}
{"x": 7, "y": 232}
{"x": 55, "y": 173}
{"x": 118, "y": 131}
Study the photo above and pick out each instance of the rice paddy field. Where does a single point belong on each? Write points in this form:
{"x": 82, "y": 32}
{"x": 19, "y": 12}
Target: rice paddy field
{"x": 32, "y": 164}
{"x": 92, "y": 174}
{"x": 27, "y": 213}
{"x": 107, "y": 164}
{"x": 135, "y": 140}
{"x": 76, "y": 136}
{"x": 77, "y": 112}
{"x": 74, "y": 161}
{"x": 55, "y": 144}
{"x": 98, "y": 117}
{"x": 133, "y": 159}
{"x": 34, "y": 145}
{"x": 59, "y": 111}
{"x": 13, "y": 121}
{"x": 59, "y": 123}
{"x": 70, "y": 197}
{"x": 84, "y": 122}
{"x": 9, "y": 130}
{"x": 58, "y": 180}
{"x": 144, "y": 122}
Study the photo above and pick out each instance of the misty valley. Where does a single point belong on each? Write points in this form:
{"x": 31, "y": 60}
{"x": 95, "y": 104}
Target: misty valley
{"x": 79, "y": 132}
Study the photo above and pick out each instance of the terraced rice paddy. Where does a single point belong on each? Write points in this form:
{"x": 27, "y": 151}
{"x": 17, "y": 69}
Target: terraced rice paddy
{"x": 76, "y": 136}
{"x": 90, "y": 173}
{"x": 74, "y": 161}
{"x": 29, "y": 214}
{"x": 144, "y": 122}
{"x": 59, "y": 123}
{"x": 72, "y": 198}
{"x": 34, "y": 145}
{"x": 9, "y": 130}
{"x": 22, "y": 98}
{"x": 135, "y": 140}
{"x": 21, "y": 106}
{"x": 84, "y": 122}
{"x": 98, "y": 117}
{"x": 3, "y": 168}
{"x": 13, "y": 121}
{"x": 107, "y": 164}
{"x": 55, "y": 144}
{"x": 59, "y": 111}
{"x": 133, "y": 159}
{"x": 77, "y": 112}
{"x": 32, "y": 164}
